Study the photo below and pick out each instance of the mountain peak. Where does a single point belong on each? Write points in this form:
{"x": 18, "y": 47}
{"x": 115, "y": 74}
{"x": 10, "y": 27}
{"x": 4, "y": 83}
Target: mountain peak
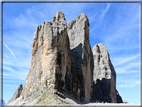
{"x": 63, "y": 66}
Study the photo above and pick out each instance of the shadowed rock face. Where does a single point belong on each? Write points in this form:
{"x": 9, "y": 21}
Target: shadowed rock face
{"x": 63, "y": 66}
{"x": 118, "y": 98}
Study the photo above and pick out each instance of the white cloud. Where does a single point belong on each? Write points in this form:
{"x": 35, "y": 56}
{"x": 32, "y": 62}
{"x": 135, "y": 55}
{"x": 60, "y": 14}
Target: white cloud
{"x": 10, "y": 86}
{"x": 13, "y": 81}
{"x": 126, "y": 64}
{"x": 20, "y": 41}
{"x": 96, "y": 20}
{"x": 124, "y": 59}
{"x": 132, "y": 67}
{"x": 25, "y": 21}
{"x": 122, "y": 32}
{"x": 37, "y": 13}
{"x": 105, "y": 11}
{"x": 92, "y": 18}
{"x": 10, "y": 51}
{"x": 18, "y": 73}
{"x": 128, "y": 83}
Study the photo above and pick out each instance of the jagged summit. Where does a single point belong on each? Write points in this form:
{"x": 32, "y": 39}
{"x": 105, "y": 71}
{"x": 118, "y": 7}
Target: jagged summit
{"x": 59, "y": 16}
{"x": 64, "y": 69}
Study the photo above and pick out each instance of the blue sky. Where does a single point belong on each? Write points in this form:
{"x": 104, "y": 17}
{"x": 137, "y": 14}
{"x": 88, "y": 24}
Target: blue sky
{"x": 116, "y": 25}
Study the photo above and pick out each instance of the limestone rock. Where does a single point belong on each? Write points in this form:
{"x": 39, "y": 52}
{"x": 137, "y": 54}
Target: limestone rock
{"x": 104, "y": 75}
{"x": 50, "y": 60}
{"x": 51, "y": 65}
{"x": 78, "y": 32}
{"x": 64, "y": 70}
{"x": 17, "y": 93}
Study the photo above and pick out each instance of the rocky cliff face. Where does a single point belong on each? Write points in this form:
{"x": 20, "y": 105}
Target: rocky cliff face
{"x": 50, "y": 60}
{"x": 17, "y": 93}
{"x": 78, "y": 32}
{"x": 63, "y": 66}
{"x": 104, "y": 76}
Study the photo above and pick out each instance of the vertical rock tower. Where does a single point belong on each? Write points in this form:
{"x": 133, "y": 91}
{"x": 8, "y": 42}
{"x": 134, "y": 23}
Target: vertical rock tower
{"x": 104, "y": 75}
{"x": 63, "y": 66}
{"x": 78, "y": 32}
{"x": 50, "y": 59}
